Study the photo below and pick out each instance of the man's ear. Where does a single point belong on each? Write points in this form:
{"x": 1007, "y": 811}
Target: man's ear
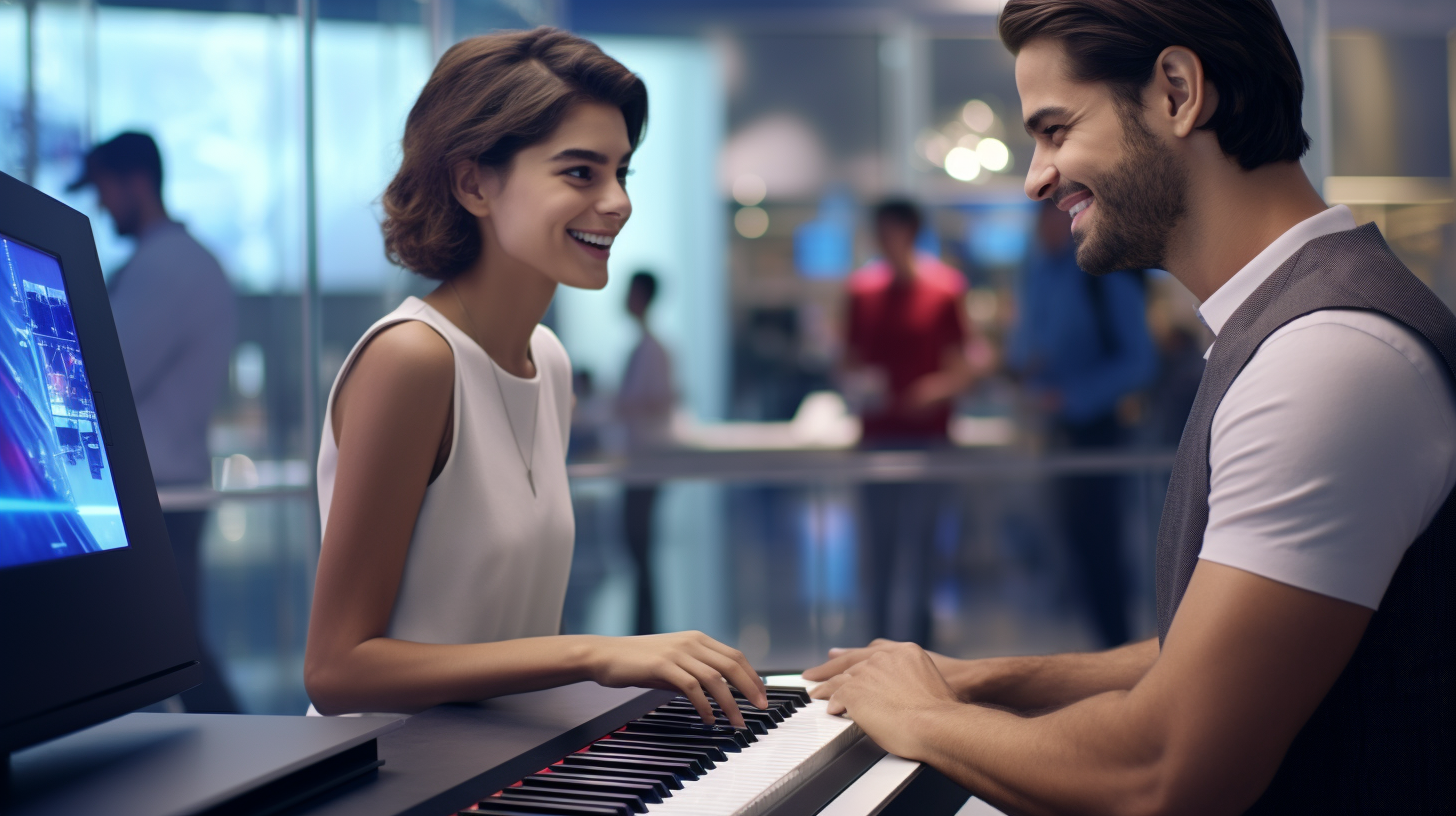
{"x": 1182, "y": 96}
{"x": 473, "y": 186}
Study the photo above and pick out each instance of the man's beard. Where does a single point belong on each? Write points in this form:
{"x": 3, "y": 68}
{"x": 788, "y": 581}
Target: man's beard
{"x": 1138, "y": 205}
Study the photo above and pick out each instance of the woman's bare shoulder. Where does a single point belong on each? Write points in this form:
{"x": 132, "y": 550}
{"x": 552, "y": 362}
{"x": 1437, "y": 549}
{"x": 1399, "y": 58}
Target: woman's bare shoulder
{"x": 409, "y": 353}
{"x": 406, "y": 371}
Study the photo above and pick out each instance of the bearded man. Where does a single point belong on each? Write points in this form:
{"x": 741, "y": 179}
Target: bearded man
{"x": 1304, "y": 657}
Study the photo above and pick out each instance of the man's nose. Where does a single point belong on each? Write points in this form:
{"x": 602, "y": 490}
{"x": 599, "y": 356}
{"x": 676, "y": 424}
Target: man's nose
{"x": 1041, "y": 177}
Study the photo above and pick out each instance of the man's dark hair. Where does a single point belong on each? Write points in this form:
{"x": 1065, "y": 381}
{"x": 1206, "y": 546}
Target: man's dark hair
{"x": 900, "y": 211}
{"x": 1242, "y": 44}
{"x": 126, "y": 154}
{"x": 646, "y": 283}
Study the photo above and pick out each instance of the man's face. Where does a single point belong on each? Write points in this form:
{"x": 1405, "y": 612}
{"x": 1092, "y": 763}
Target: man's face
{"x": 638, "y": 301}
{"x": 1096, "y": 159}
{"x": 117, "y": 195}
{"x": 896, "y": 239}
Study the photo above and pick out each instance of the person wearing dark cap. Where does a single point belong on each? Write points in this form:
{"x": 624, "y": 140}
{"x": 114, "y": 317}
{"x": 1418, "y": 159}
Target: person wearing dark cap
{"x": 177, "y": 320}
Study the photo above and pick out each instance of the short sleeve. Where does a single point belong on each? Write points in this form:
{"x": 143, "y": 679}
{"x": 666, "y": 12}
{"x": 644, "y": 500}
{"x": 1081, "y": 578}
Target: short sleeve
{"x": 1330, "y": 453}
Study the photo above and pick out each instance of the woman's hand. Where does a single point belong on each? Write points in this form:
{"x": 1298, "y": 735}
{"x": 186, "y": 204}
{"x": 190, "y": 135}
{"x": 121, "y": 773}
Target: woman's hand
{"x": 690, "y": 662}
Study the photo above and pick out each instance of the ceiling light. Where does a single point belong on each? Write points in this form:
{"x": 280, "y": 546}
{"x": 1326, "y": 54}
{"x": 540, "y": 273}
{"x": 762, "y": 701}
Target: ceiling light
{"x": 962, "y": 164}
{"x": 993, "y": 154}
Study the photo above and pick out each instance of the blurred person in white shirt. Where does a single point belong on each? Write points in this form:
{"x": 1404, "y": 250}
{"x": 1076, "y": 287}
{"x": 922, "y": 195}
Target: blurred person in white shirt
{"x": 645, "y": 405}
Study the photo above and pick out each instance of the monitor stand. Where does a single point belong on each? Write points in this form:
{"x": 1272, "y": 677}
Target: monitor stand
{"x": 193, "y": 764}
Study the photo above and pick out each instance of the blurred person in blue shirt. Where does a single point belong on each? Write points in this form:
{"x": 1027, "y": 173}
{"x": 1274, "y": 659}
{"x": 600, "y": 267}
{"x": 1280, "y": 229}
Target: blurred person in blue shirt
{"x": 1081, "y": 344}
{"x": 176, "y": 317}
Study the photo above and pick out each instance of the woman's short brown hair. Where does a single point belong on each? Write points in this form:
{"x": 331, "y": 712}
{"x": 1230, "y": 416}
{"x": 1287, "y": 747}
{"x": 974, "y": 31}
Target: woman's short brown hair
{"x": 488, "y": 98}
{"x": 1242, "y": 45}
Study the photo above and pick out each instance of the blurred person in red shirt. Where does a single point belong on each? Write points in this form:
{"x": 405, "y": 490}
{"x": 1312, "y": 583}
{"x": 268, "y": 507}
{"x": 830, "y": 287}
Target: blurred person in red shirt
{"x": 905, "y": 362}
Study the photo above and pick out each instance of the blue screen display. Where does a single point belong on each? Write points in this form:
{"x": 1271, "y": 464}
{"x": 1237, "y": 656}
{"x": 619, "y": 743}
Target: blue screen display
{"x": 56, "y": 495}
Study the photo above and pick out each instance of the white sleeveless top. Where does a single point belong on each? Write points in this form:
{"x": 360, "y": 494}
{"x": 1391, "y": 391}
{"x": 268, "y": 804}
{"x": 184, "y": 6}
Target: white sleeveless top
{"x": 487, "y": 560}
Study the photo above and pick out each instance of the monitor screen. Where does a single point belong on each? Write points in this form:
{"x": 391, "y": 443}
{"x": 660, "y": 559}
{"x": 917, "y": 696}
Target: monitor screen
{"x": 56, "y": 494}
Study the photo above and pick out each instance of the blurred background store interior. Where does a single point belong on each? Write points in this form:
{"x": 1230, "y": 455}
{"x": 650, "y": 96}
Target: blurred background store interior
{"x": 775, "y": 126}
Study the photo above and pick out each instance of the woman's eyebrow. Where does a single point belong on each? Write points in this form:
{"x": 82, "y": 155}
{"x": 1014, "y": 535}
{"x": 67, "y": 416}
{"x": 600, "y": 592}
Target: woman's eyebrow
{"x": 581, "y": 154}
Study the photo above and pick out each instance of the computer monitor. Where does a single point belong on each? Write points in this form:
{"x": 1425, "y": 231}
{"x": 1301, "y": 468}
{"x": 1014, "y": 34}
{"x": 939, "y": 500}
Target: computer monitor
{"x": 94, "y": 621}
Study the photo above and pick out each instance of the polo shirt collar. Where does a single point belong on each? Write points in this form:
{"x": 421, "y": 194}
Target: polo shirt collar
{"x": 1222, "y": 304}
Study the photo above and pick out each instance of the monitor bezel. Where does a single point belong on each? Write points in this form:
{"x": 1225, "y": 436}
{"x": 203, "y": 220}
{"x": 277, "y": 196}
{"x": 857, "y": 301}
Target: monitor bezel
{"x": 108, "y": 631}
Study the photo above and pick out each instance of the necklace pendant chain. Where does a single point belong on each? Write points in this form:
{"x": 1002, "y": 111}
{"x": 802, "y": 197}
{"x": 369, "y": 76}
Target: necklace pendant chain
{"x": 530, "y": 475}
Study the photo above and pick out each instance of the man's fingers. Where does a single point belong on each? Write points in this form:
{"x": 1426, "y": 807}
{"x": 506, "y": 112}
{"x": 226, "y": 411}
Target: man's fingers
{"x": 837, "y": 665}
{"x": 836, "y": 706}
{"x": 825, "y": 690}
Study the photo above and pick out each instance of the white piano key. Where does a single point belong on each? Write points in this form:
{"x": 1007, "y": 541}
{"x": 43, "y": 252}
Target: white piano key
{"x": 754, "y": 780}
{"x": 978, "y": 807}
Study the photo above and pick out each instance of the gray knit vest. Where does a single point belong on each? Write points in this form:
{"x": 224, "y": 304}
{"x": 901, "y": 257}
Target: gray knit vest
{"x": 1382, "y": 740}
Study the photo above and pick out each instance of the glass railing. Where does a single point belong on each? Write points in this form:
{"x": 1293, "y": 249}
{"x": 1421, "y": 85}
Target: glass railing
{"x": 763, "y": 550}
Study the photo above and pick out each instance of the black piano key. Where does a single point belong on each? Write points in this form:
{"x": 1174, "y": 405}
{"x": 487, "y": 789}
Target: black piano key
{"x": 769, "y": 719}
{"x": 668, "y": 774}
{"x": 777, "y": 713}
{"x": 521, "y": 808}
{"x": 779, "y": 702}
{"x": 691, "y": 763}
{"x": 650, "y": 790}
{"x": 725, "y": 744}
{"x": 752, "y": 726}
{"x": 708, "y": 749}
{"x": 784, "y": 708}
{"x": 800, "y": 694}
{"x": 631, "y": 801}
{"x": 640, "y": 727}
{"x": 536, "y": 796}
{"x": 652, "y": 752}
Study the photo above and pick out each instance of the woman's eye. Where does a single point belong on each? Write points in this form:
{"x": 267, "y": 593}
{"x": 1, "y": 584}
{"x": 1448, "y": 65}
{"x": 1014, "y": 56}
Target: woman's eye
{"x": 622, "y": 175}
{"x": 583, "y": 173}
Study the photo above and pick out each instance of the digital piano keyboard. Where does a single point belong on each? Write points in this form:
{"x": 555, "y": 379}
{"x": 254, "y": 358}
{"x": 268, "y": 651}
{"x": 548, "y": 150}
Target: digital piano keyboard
{"x": 585, "y": 750}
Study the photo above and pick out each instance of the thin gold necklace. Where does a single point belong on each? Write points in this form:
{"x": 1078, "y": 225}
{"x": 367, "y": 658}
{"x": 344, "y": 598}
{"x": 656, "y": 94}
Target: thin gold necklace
{"x": 535, "y": 406}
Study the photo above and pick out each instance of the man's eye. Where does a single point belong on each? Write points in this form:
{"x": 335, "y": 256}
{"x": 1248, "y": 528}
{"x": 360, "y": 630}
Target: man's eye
{"x": 1051, "y": 130}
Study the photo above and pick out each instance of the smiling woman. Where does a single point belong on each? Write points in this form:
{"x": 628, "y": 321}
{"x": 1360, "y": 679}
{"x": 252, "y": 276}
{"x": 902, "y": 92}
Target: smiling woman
{"x": 447, "y": 516}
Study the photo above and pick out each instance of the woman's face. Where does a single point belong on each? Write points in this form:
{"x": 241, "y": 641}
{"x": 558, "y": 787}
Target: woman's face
{"x": 561, "y": 203}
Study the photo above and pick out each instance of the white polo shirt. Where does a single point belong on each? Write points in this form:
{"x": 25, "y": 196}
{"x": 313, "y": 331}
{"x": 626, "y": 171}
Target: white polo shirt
{"x": 1335, "y": 446}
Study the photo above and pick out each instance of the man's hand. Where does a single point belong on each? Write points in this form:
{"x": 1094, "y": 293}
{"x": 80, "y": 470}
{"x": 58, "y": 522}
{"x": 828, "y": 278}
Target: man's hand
{"x": 886, "y": 693}
{"x": 840, "y": 660}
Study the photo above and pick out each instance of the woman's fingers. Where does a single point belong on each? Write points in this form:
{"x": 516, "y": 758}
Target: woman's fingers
{"x": 738, "y": 672}
{"x": 692, "y": 689}
{"x": 714, "y": 684}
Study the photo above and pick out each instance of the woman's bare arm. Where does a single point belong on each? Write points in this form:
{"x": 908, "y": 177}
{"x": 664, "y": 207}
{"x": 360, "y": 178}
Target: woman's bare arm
{"x": 390, "y": 417}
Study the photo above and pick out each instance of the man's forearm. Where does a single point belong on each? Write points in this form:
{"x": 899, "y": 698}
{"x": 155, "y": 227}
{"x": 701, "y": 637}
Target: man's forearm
{"x": 1099, "y": 755}
{"x": 1039, "y": 683}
